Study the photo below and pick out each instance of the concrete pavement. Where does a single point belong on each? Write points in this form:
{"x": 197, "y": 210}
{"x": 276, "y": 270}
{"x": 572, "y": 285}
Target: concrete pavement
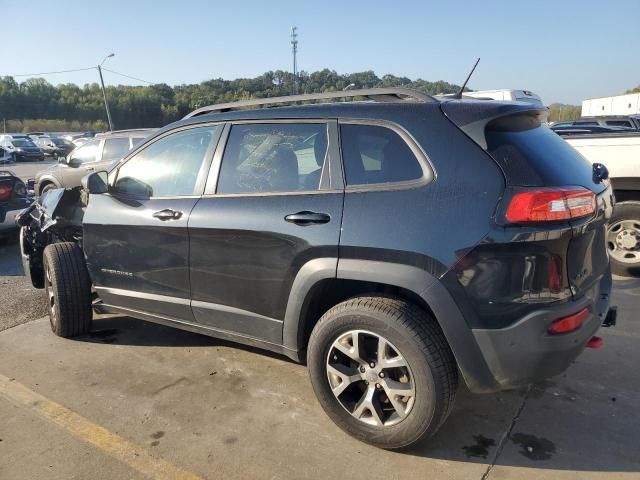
{"x": 217, "y": 410}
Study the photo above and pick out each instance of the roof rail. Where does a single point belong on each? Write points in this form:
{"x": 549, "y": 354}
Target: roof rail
{"x": 375, "y": 94}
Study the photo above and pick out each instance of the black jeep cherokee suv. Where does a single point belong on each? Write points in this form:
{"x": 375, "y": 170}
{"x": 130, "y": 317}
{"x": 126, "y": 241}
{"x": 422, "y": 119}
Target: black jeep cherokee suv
{"x": 396, "y": 244}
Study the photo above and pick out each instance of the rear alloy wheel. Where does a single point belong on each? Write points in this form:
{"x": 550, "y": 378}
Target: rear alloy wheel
{"x": 382, "y": 370}
{"x": 378, "y": 392}
{"x": 623, "y": 239}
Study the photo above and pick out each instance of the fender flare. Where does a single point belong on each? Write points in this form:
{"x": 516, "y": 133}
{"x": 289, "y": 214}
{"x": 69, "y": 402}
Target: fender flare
{"x": 428, "y": 287}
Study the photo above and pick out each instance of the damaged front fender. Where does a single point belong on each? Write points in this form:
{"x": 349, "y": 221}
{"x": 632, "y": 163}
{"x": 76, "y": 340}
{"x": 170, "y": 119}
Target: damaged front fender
{"x": 55, "y": 217}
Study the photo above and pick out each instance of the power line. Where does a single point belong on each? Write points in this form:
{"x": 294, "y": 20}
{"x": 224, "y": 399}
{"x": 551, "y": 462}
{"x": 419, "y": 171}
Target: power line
{"x": 128, "y": 76}
{"x": 49, "y": 73}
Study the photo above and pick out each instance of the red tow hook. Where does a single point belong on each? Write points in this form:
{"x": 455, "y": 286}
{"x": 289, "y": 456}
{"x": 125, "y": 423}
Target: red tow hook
{"x": 595, "y": 342}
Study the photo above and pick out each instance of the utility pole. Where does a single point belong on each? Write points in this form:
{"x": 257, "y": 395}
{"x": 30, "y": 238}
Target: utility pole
{"x": 104, "y": 93}
{"x": 294, "y": 51}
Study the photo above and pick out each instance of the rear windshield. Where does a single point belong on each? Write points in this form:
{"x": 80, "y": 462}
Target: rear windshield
{"x": 537, "y": 156}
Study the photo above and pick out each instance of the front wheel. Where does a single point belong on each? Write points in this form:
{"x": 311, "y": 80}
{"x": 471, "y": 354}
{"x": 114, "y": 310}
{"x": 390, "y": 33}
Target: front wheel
{"x": 382, "y": 370}
{"x": 68, "y": 289}
{"x": 623, "y": 239}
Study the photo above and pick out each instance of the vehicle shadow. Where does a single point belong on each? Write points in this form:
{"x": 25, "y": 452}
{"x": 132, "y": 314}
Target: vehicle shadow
{"x": 582, "y": 421}
{"x": 123, "y": 330}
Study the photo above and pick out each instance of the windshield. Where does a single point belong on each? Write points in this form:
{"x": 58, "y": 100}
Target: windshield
{"x": 22, "y": 142}
{"x": 60, "y": 141}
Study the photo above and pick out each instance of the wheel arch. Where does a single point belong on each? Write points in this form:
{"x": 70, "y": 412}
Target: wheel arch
{"x": 322, "y": 283}
{"x": 626, "y": 189}
{"x": 46, "y": 180}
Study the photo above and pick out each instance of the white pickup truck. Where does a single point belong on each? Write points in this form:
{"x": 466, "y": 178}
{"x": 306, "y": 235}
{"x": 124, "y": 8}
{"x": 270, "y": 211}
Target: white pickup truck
{"x": 620, "y": 153}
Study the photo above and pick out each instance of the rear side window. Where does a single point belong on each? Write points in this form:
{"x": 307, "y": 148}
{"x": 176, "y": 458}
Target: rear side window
{"x": 264, "y": 158}
{"x": 373, "y": 154}
{"x": 115, "y": 148}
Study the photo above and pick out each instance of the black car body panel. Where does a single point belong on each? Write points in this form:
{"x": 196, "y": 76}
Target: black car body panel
{"x": 235, "y": 266}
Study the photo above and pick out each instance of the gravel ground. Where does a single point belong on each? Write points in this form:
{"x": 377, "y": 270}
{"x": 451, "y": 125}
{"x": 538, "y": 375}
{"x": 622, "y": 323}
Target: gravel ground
{"x": 19, "y": 301}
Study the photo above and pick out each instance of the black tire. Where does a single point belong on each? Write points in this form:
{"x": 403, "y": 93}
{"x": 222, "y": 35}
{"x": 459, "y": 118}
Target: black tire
{"x": 417, "y": 338}
{"x": 625, "y": 212}
{"x": 68, "y": 289}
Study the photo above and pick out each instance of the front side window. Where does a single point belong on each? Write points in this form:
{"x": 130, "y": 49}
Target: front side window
{"x": 115, "y": 148}
{"x": 168, "y": 167}
{"x": 85, "y": 154}
{"x": 278, "y": 157}
{"x": 372, "y": 154}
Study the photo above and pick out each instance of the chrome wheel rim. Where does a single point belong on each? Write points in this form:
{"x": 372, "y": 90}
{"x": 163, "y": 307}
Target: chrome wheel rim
{"x": 370, "y": 378}
{"x": 51, "y": 300}
{"x": 623, "y": 241}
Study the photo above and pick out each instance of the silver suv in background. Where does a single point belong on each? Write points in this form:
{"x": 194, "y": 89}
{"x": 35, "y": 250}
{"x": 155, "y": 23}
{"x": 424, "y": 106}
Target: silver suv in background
{"x": 96, "y": 154}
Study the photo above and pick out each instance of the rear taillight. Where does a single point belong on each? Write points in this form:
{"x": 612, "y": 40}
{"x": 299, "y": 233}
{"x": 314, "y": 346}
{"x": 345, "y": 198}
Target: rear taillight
{"x": 550, "y": 205}
{"x": 20, "y": 189}
{"x": 568, "y": 324}
{"x": 5, "y": 192}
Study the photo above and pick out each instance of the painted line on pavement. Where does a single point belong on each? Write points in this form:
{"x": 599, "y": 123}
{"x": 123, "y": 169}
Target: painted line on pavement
{"x": 114, "y": 445}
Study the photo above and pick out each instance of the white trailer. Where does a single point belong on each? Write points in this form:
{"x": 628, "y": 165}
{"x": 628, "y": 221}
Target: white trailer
{"x": 628, "y": 104}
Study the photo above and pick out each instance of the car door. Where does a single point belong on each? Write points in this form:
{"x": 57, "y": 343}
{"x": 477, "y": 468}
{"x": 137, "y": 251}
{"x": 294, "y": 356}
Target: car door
{"x": 135, "y": 236}
{"x": 275, "y": 205}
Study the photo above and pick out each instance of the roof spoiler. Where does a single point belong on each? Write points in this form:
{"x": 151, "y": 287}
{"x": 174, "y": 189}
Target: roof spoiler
{"x": 472, "y": 117}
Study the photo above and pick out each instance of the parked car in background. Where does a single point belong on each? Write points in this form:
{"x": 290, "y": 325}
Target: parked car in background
{"x": 21, "y": 147}
{"x": 526, "y": 96}
{"x": 564, "y": 129}
{"x": 618, "y": 149}
{"x": 74, "y": 136}
{"x": 5, "y": 156}
{"x": 54, "y": 146}
{"x": 13, "y": 199}
{"x": 96, "y": 154}
{"x": 626, "y": 121}
{"x": 78, "y": 142}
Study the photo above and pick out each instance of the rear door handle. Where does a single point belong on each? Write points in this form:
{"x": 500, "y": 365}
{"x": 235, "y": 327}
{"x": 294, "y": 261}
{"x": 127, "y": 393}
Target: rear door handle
{"x": 167, "y": 214}
{"x": 307, "y": 218}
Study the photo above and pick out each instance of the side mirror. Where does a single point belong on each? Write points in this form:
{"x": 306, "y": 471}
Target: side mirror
{"x": 96, "y": 183}
{"x": 73, "y": 162}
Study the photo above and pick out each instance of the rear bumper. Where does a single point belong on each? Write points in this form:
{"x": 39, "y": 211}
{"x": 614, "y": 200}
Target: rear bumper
{"x": 525, "y": 353}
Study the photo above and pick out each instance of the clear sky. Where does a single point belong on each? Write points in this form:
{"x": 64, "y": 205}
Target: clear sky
{"x": 564, "y": 50}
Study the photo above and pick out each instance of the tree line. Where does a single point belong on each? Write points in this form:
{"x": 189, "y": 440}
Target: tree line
{"x": 35, "y": 104}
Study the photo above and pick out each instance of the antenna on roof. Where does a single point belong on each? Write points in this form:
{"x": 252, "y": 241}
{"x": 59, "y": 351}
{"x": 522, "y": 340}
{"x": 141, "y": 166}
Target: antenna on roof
{"x": 459, "y": 94}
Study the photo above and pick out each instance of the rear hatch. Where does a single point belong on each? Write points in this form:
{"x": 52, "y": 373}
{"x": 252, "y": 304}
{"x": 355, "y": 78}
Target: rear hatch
{"x": 532, "y": 155}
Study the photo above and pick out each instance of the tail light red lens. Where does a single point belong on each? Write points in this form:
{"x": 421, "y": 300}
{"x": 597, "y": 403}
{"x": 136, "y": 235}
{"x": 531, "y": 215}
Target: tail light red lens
{"x": 5, "y": 192}
{"x": 550, "y": 205}
{"x": 568, "y": 324}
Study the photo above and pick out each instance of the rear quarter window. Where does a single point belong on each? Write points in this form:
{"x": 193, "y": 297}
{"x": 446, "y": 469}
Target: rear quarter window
{"x": 374, "y": 154}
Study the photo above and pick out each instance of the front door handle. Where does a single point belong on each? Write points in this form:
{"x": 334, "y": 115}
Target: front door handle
{"x": 89, "y": 169}
{"x": 167, "y": 214}
{"x": 307, "y": 218}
